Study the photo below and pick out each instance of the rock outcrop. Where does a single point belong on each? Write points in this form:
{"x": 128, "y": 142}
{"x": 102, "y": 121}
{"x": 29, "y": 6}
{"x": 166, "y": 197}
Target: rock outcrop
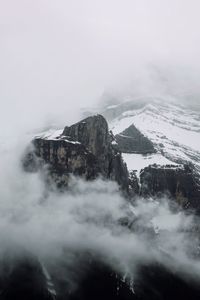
{"x": 179, "y": 183}
{"x": 153, "y": 282}
{"x": 23, "y": 277}
{"x": 84, "y": 149}
{"x": 132, "y": 140}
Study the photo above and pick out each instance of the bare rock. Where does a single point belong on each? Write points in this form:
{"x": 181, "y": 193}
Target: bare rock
{"x": 131, "y": 140}
{"x": 84, "y": 149}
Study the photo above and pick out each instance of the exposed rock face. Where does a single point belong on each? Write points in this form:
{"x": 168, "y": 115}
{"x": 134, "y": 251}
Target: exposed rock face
{"x": 180, "y": 183}
{"x": 26, "y": 280}
{"x": 132, "y": 140}
{"x": 83, "y": 149}
{"x": 23, "y": 278}
{"x": 86, "y": 149}
{"x": 153, "y": 282}
{"x": 134, "y": 187}
{"x": 93, "y": 134}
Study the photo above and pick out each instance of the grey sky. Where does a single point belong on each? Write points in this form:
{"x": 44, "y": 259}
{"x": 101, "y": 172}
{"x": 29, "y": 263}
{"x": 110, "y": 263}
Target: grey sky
{"x": 56, "y": 56}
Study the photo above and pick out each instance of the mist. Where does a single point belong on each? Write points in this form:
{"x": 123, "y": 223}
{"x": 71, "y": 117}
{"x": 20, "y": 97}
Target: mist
{"x": 57, "y": 57}
{"x": 88, "y": 218}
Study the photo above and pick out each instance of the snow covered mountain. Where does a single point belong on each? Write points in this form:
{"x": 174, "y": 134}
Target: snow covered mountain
{"x": 159, "y": 143}
{"x": 172, "y": 127}
{"x": 157, "y": 139}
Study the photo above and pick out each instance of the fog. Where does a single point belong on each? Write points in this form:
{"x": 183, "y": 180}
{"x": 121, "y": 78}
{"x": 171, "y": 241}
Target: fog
{"x": 59, "y": 56}
{"x": 88, "y": 218}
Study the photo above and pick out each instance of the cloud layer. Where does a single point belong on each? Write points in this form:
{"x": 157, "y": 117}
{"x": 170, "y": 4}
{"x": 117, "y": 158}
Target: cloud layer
{"x": 58, "y": 56}
{"x": 88, "y": 218}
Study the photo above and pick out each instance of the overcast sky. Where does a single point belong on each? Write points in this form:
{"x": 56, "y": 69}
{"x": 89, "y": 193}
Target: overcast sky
{"x": 58, "y": 55}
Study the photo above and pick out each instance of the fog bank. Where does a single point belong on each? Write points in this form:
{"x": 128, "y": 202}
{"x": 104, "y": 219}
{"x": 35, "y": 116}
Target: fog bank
{"x": 59, "y": 56}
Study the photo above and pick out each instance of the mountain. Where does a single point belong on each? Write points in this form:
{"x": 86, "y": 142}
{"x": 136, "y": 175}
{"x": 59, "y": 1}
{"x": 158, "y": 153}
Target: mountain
{"x": 157, "y": 163}
{"x": 84, "y": 149}
{"x": 159, "y": 141}
{"x": 172, "y": 127}
{"x": 143, "y": 148}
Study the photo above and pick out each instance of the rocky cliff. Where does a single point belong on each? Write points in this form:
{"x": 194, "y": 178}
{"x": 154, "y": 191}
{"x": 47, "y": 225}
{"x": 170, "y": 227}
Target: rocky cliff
{"x": 26, "y": 279}
{"x": 179, "y": 183}
{"x": 131, "y": 140}
{"x": 88, "y": 149}
{"x": 84, "y": 149}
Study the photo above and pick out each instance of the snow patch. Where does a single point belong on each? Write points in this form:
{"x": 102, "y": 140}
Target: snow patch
{"x": 138, "y": 161}
{"x": 55, "y": 135}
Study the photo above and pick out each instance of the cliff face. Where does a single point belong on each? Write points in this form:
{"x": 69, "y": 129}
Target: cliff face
{"x": 24, "y": 278}
{"x": 84, "y": 149}
{"x": 179, "y": 183}
{"x": 27, "y": 279}
{"x": 131, "y": 140}
{"x": 93, "y": 134}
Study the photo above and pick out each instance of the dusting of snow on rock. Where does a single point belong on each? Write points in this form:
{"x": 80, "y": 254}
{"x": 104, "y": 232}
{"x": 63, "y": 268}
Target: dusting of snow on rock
{"x": 174, "y": 129}
{"x": 138, "y": 162}
{"x": 51, "y": 134}
{"x": 55, "y": 135}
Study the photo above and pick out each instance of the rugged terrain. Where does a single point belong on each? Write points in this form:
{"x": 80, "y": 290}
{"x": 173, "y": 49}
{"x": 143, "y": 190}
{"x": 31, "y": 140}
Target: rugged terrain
{"x": 165, "y": 134}
{"x": 85, "y": 149}
{"x": 148, "y": 158}
{"x": 89, "y": 150}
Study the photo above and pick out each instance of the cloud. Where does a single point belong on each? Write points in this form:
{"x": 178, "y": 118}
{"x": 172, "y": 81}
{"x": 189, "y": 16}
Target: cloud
{"x": 88, "y": 218}
{"x": 58, "y": 56}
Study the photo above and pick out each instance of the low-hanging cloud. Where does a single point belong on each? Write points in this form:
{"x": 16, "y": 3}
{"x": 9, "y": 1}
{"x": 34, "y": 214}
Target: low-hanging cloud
{"x": 89, "y": 218}
{"x": 58, "y": 56}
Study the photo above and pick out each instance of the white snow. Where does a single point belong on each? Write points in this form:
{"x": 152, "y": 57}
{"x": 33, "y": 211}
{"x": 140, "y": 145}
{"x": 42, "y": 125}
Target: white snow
{"x": 51, "y": 134}
{"x": 159, "y": 123}
{"x": 119, "y": 125}
{"x": 153, "y": 125}
{"x": 139, "y": 161}
{"x": 55, "y": 135}
{"x": 173, "y": 129}
{"x": 72, "y": 142}
{"x": 50, "y": 285}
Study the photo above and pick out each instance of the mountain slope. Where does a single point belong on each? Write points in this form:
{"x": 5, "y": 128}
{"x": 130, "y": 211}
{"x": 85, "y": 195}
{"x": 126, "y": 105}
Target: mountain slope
{"x": 174, "y": 129}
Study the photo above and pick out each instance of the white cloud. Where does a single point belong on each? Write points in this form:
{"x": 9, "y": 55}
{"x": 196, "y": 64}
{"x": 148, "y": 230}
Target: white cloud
{"x": 57, "y": 56}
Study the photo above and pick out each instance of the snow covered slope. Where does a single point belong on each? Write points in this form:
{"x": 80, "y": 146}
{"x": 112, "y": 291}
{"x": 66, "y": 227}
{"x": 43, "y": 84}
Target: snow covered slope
{"x": 173, "y": 128}
{"x": 138, "y": 161}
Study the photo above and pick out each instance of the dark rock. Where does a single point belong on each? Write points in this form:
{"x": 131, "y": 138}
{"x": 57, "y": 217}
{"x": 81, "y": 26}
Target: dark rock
{"x": 93, "y": 133}
{"x": 134, "y": 187}
{"x": 156, "y": 282}
{"x": 23, "y": 278}
{"x": 150, "y": 282}
{"x": 132, "y": 140}
{"x": 84, "y": 149}
{"x": 180, "y": 183}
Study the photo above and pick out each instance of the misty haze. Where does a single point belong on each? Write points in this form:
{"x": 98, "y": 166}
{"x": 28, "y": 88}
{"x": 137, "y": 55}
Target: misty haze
{"x": 99, "y": 150}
